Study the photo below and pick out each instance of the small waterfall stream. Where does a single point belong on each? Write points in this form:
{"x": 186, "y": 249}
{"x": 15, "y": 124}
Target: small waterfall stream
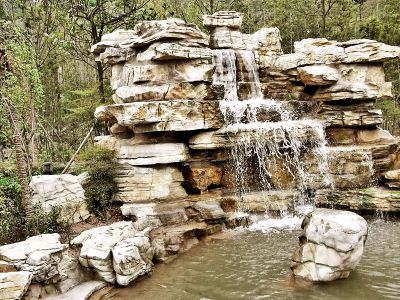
{"x": 266, "y": 138}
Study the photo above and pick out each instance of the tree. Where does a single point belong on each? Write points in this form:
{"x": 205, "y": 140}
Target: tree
{"x": 18, "y": 143}
{"x": 91, "y": 19}
{"x": 360, "y": 5}
{"x": 19, "y": 156}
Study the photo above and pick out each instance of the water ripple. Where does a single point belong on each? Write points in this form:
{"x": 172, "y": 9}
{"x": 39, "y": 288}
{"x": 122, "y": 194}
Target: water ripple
{"x": 255, "y": 265}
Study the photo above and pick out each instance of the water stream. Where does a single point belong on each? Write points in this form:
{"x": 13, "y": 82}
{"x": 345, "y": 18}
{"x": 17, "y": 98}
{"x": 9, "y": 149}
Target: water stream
{"x": 265, "y": 135}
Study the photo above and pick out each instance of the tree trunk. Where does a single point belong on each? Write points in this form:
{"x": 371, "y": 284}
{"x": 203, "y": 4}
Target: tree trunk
{"x": 100, "y": 75}
{"x": 20, "y": 158}
{"x": 211, "y": 6}
{"x": 323, "y": 18}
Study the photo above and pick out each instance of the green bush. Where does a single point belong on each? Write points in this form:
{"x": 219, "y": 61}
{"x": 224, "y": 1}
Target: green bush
{"x": 13, "y": 225}
{"x": 99, "y": 163}
{"x": 45, "y": 222}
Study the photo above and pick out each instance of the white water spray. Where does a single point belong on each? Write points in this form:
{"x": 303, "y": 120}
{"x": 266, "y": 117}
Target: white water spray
{"x": 264, "y": 134}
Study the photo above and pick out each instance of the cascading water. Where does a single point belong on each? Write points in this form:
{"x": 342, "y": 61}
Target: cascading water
{"x": 264, "y": 134}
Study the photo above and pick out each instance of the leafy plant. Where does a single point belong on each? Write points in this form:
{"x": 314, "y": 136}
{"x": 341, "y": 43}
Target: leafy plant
{"x": 99, "y": 163}
{"x": 13, "y": 225}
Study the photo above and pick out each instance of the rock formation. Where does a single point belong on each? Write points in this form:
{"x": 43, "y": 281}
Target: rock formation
{"x": 117, "y": 253}
{"x": 38, "y": 261}
{"x": 331, "y": 245}
{"x": 204, "y": 126}
{"x": 60, "y": 191}
{"x": 187, "y": 103}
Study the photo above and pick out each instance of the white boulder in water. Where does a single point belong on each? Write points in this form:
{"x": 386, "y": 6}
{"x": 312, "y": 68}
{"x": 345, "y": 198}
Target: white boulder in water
{"x": 331, "y": 246}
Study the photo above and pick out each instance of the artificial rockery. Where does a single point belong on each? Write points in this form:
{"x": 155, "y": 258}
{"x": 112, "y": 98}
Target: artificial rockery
{"x": 208, "y": 129}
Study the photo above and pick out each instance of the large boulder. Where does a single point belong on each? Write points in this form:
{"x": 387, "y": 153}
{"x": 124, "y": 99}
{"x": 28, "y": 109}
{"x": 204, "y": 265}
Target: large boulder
{"x": 13, "y": 285}
{"x": 331, "y": 245}
{"x": 40, "y": 255}
{"x": 60, "y": 191}
{"x": 118, "y": 253}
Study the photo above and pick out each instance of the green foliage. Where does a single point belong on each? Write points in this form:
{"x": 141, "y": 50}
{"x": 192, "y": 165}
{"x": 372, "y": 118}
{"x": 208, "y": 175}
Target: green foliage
{"x": 9, "y": 185}
{"x": 11, "y": 213}
{"x": 98, "y": 162}
{"x": 43, "y": 222}
{"x": 13, "y": 226}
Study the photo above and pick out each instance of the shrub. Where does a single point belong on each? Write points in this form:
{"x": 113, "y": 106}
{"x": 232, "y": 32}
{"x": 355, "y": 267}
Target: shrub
{"x": 45, "y": 222}
{"x": 99, "y": 163}
{"x": 13, "y": 225}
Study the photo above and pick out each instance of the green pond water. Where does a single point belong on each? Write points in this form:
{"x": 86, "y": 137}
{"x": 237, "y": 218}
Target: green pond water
{"x": 255, "y": 265}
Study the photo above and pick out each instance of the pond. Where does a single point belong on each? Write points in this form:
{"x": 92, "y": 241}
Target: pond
{"x": 254, "y": 264}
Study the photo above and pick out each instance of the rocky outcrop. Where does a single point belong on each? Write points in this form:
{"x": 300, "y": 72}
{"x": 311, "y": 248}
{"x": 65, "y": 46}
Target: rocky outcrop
{"x": 331, "y": 246}
{"x": 40, "y": 255}
{"x": 374, "y": 199}
{"x": 136, "y": 184}
{"x": 60, "y": 191}
{"x": 118, "y": 253}
{"x": 13, "y": 285}
{"x": 274, "y": 132}
{"x": 173, "y": 128}
{"x": 42, "y": 262}
{"x": 137, "y": 152}
{"x": 349, "y": 167}
{"x": 392, "y": 179}
{"x": 163, "y": 115}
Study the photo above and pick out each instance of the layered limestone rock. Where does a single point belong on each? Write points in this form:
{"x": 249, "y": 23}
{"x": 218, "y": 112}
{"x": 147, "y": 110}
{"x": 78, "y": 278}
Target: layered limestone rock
{"x": 60, "y": 191}
{"x": 379, "y": 142}
{"x": 13, "y": 285}
{"x": 392, "y": 179}
{"x": 40, "y": 255}
{"x": 172, "y": 115}
{"x": 364, "y": 200}
{"x": 349, "y": 167}
{"x": 118, "y": 253}
{"x": 137, "y": 184}
{"x": 331, "y": 246}
{"x": 230, "y": 136}
{"x": 172, "y": 134}
{"x": 136, "y": 153}
{"x": 41, "y": 263}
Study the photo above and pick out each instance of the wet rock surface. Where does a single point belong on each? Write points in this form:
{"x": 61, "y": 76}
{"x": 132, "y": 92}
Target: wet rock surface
{"x": 331, "y": 246}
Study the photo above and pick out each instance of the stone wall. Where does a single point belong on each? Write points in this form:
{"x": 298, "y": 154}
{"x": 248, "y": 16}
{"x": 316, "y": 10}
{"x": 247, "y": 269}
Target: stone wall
{"x": 170, "y": 135}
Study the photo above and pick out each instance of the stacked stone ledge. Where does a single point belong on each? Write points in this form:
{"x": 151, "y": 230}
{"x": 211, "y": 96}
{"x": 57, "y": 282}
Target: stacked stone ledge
{"x": 166, "y": 124}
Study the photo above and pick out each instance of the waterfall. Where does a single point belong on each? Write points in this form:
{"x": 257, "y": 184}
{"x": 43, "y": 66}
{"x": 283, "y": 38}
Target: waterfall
{"x": 266, "y": 139}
